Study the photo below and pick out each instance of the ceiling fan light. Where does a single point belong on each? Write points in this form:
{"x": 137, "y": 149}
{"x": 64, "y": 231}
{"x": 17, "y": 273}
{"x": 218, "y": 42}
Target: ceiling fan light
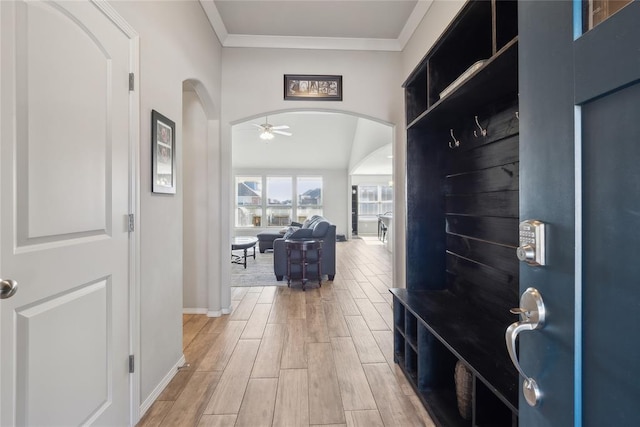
{"x": 266, "y": 135}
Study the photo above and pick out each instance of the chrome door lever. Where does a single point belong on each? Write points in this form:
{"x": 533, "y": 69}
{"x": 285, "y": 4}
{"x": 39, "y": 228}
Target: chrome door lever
{"x": 532, "y": 316}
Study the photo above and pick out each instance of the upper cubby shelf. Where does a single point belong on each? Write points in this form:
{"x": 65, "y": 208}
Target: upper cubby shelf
{"x": 482, "y": 32}
{"x": 494, "y": 80}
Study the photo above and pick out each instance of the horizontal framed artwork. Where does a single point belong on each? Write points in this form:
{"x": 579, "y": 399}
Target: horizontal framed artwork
{"x": 305, "y": 87}
{"x": 163, "y": 154}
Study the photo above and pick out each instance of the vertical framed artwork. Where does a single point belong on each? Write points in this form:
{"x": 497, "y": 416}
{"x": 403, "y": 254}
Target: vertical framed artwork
{"x": 163, "y": 154}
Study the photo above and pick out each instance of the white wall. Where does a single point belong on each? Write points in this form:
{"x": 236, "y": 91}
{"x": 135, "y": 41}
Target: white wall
{"x": 195, "y": 212}
{"x": 176, "y": 44}
{"x": 369, "y": 137}
{"x": 335, "y": 190}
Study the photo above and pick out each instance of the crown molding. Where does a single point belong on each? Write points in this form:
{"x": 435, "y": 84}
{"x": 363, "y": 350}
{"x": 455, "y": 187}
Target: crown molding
{"x": 417, "y": 15}
{"x": 215, "y": 19}
{"x": 327, "y": 43}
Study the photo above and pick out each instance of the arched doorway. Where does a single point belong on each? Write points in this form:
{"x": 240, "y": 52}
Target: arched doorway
{"x": 201, "y": 202}
{"x": 325, "y": 144}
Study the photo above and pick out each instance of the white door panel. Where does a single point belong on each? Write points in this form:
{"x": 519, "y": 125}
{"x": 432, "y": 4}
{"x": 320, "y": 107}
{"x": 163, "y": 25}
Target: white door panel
{"x": 57, "y": 56}
{"x": 50, "y": 327}
{"x": 65, "y": 197}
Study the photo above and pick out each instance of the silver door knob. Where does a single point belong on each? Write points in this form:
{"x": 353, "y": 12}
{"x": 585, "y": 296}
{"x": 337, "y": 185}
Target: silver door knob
{"x": 8, "y": 288}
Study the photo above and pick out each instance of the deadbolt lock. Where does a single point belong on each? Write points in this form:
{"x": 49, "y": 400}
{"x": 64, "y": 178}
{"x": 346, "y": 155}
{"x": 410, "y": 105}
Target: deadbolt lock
{"x": 532, "y": 242}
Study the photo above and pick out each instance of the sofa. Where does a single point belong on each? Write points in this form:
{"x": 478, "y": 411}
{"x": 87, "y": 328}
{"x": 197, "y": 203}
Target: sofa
{"x": 315, "y": 228}
{"x": 266, "y": 238}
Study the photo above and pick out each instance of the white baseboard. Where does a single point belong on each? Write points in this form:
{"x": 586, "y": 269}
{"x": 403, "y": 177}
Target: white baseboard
{"x": 216, "y": 313}
{"x": 194, "y": 310}
{"x": 144, "y": 407}
{"x": 226, "y": 310}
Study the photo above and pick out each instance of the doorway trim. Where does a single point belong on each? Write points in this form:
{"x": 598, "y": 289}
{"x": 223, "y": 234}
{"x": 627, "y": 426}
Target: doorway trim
{"x": 134, "y": 202}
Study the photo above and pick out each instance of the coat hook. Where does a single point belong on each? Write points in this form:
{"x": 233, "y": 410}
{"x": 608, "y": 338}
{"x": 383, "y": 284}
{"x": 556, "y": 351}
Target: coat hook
{"x": 517, "y": 115}
{"x": 456, "y": 143}
{"x": 482, "y": 131}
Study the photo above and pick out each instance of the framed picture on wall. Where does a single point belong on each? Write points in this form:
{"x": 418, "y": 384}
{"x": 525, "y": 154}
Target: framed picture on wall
{"x": 307, "y": 87}
{"x": 163, "y": 154}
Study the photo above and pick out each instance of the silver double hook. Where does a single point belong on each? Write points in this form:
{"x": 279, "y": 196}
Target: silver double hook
{"x": 456, "y": 143}
{"x": 483, "y": 132}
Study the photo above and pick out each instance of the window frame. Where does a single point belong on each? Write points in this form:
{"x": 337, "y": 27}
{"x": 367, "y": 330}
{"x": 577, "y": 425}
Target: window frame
{"x": 295, "y": 208}
{"x": 379, "y": 201}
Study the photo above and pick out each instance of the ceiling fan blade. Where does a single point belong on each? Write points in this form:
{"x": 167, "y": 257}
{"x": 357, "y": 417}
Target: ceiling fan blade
{"x": 280, "y": 127}
{"x": 258, "y": 126}
{"x": 282, "y": 133}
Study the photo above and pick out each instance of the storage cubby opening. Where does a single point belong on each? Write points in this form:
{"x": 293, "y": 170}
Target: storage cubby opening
{"x": 411, "y": 329}
{"x": 506, "y": 22}
{"x": 416, "y": 94}
{"x": 398, "y": 318}
{"x": 467, "y": 41}
{"x": 441, "y": 394}
{"x": 488, "y": 409}
{"x": 411, "y": 363}
{"x": 439, "y": 365}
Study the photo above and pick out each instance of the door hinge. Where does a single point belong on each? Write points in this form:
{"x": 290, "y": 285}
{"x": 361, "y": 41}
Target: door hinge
{"x": 131, "y": 81}
{"x": 131, "y": 364}
{"x": 132, "y": 223}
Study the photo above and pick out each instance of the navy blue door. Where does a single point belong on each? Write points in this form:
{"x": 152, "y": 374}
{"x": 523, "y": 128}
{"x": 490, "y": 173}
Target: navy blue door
{"x": 580, "y": 173}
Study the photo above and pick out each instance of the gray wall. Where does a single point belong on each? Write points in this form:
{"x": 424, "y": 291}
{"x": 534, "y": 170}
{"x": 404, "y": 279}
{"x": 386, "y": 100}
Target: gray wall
{"x": 176, "y": 43}
{"x": 194, "y": 213}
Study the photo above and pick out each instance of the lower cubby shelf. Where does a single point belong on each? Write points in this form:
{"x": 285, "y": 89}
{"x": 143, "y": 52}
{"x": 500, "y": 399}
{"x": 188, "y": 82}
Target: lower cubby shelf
{"x": 435, "y": 334}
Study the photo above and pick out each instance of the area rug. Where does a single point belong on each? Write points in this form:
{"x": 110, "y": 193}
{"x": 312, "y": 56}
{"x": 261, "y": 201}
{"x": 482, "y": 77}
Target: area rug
{"x": 259, "y": 272}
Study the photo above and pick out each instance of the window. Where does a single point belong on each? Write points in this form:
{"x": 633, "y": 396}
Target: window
{"x": 276, "y": 201}
{"x": 279, "y": 200}
{"x": 249, "y": 201}
{"x": 309, "y": 191}
{"x": 374, "y": 200}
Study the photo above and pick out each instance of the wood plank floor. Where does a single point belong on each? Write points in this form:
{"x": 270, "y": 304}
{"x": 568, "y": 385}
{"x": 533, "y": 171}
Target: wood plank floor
{"x": 285, "y": 357}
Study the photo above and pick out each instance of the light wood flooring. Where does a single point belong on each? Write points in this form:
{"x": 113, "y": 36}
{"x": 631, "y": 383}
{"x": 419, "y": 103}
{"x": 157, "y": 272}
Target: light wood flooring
{"x": 285, "y": 357}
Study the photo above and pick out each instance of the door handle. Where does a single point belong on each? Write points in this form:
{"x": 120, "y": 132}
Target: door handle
{"x": 532, "y": 316}
{"x": 8, "y": 288}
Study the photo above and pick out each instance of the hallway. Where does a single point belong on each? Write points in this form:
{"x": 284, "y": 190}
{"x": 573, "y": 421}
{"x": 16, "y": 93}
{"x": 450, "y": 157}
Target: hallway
{"x": 290, "y": 358}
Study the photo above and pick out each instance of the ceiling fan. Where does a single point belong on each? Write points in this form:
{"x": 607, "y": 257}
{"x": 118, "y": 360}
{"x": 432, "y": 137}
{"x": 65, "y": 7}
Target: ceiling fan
{"x": 267, "y": 130}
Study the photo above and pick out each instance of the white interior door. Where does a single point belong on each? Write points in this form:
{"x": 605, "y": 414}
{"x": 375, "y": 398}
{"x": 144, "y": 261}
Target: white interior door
{"x": 64, "y": 203}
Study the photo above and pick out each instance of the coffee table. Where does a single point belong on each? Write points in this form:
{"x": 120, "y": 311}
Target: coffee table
{"x": 242, "y": 243}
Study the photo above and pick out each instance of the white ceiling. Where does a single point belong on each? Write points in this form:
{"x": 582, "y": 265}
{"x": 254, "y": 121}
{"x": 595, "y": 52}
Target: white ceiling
{"x": 320, "y": 140}
{"x": 316, "y": 24}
